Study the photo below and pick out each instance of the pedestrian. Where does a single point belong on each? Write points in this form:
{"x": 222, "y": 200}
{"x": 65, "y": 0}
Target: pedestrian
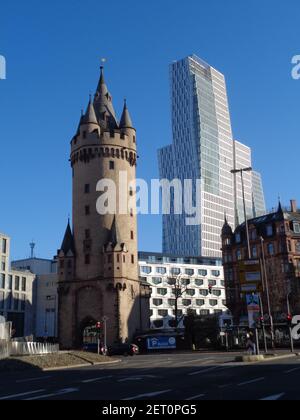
{"x": 250, "y": 345}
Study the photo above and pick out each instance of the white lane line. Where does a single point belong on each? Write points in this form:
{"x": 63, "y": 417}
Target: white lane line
{"x": 150, "y": 394}
{"x": 204, "y": 361}
{"x": 204, "y": 371}
{"x": 138, "y": 378}
{"x": 88, "y": 381}
{"x": 20, "y": 381}
{"x": 273, "y": 397}
{"x": 195, "y": 397}
{"x": 132, "y": 378}
{"x": 8, "y": 397}
{"x": 54, "y": 394}
{"x": 292, "y": 370}
{"x": 253, "y": 381}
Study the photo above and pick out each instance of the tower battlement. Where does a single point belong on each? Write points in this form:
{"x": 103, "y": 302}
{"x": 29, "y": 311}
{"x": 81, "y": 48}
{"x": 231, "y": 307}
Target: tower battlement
{"x": 114, "y": 145}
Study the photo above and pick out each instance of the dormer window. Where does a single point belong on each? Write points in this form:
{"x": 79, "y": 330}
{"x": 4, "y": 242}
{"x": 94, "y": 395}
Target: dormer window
{"x": 297, "y": 227}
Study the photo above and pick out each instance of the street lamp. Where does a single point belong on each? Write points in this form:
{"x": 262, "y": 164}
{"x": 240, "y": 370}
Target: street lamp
{"x": 241, "y": 171}
{"x": 266, "y": 287}
{"x": 289, "y": 316}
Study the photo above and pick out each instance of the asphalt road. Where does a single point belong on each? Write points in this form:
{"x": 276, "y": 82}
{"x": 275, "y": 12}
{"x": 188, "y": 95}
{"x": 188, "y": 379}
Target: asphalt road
{"x": 188, "y": 376}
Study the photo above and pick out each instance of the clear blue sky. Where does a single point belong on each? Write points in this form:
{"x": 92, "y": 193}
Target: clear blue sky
{"x": 53, "y": 49}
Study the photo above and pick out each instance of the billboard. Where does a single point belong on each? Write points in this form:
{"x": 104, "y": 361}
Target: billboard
{"x": 250, "y": 277}
{"x": 161, "y": 343}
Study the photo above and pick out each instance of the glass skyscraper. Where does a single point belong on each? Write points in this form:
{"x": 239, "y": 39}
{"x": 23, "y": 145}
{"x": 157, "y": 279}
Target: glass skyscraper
{"x": 203, "y": 149}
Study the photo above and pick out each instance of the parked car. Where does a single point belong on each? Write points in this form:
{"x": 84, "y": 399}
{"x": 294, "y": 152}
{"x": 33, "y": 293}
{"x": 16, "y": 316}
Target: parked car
{"x": 91, "y": 347}
{"x": 123, "y": 350}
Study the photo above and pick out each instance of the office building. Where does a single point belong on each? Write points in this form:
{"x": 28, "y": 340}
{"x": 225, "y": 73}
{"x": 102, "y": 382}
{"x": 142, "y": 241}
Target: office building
{"x": 204, "y": 149}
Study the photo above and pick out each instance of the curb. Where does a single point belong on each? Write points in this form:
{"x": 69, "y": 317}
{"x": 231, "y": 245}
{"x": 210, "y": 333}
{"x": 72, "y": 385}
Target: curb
{"x": 263, "y": 358}
{"x": 82, "y": 365}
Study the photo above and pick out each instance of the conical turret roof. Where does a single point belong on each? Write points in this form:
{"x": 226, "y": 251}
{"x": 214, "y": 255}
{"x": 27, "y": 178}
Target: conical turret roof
{"x": 126, "y": 121}
{"x": 68, "y": 241}
{"x": 103, "y": 105}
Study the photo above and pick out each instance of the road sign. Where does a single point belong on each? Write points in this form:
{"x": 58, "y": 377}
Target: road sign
{"x": 249, "y": 271}
{"x": 253, "y": 307}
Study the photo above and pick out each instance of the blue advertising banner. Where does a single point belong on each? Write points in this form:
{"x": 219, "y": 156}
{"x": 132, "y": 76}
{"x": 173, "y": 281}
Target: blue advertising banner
{"x": 156, "y": 343}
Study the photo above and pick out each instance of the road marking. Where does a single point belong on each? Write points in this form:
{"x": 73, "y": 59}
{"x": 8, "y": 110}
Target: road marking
{"x": 195, "y": 397}
{"x": 88, "y": 381}
{"x": 54, "y": 394}
{"x": 138, "y": 378}
{"x": 151, "y": 394}
{"x": 204, "y": 371}
{"x": 132, "y": 378}
{"x": 251, "y": 382}
{"x": 20, "y": 381}
{"x": 7, "y": 397}
{"x": 195, "y": 361}
{"x": 273, "y": 397}
{"x": 292, "y": 370}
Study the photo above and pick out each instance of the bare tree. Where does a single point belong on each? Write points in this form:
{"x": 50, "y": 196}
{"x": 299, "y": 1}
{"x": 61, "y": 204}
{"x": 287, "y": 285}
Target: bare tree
{"x": 179, "y": 288}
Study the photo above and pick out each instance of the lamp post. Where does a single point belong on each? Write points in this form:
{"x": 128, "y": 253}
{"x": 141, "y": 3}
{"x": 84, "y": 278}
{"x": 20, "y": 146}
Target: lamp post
{"x": 105, "y": 319}
{"x": 241, "y": 171}
{"x": 289, "y": 315}
{"x": 266, "y": 286}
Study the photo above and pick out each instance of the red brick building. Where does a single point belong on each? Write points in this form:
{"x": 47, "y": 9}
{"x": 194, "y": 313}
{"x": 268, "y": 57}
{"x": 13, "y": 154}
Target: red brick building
{"x": 275, "y": 244}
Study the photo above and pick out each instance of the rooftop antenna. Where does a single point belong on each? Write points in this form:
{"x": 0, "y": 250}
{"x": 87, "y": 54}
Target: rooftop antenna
{"x": 32, "y": 246}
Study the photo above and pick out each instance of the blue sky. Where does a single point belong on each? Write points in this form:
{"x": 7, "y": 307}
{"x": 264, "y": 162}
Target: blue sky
{"x": 53, "y": 49}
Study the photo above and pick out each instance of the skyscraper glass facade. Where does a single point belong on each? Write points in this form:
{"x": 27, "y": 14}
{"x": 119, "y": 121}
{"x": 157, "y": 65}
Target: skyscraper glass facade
{"x": 202, "y": 149}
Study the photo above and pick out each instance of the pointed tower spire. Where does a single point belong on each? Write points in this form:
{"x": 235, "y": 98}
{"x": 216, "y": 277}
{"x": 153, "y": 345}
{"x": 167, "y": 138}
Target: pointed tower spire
{"x": 280, "y": 210}
{"x": 80, "y": 122}
{"x": 68, "y": 241}
{"x": 103, "y": 105}
{"x": 226, "y": 230}
{"x": 126, "y": 121}
{"x": 90, "y": 115}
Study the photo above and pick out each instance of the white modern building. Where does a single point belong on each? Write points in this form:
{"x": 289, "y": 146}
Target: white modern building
{"x": 45, "y": 296}
{"x": 16, "y": 293}
{"x": 203, "y": 149}
{"x": 203, "y": 290}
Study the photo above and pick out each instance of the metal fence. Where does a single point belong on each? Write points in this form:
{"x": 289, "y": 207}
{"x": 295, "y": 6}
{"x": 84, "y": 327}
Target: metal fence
{"x": 5, "y": 329}
{"x": 32, "y": 348}
{"x": 8, "y": 348}
{"x": 4, "y": 349}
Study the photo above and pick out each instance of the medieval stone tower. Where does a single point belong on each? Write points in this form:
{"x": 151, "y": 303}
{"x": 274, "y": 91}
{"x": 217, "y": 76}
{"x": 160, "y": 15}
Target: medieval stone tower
{"x": 98, "y": 260}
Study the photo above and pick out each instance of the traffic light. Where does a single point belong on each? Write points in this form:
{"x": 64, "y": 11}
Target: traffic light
{"x": 289, "y": 319}
{"x": 210, "y": 289}
{"x": 261, "y": 321}
{"x": 98, "y": 326}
